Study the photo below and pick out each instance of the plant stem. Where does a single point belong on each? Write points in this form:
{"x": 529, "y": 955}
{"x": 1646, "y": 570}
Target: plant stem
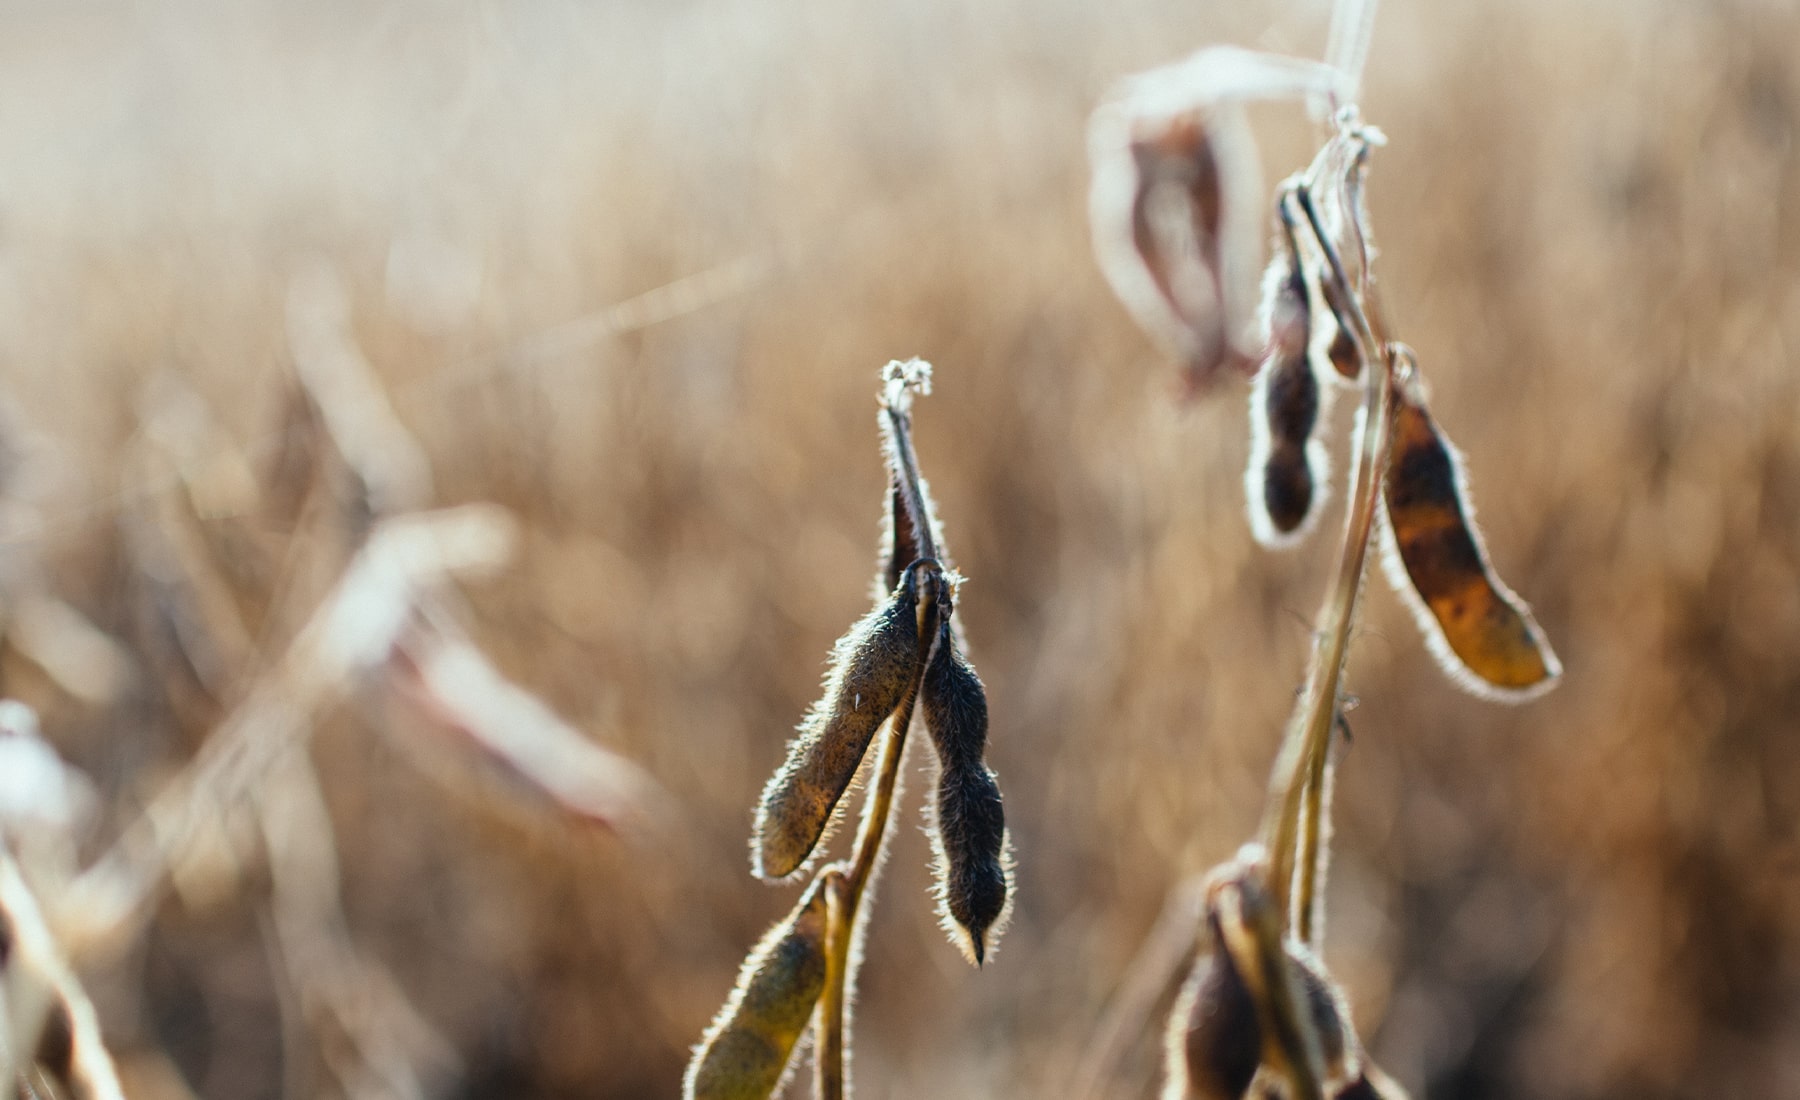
{"x": 847, "y": 898}
{"x": 1300, "y": 767}
{"x": 845, "y": 889}
{"x": 829, "y": 1059}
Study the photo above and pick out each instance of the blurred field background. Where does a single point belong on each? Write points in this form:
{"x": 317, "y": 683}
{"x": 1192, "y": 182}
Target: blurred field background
{"x": 1590, "y": 229}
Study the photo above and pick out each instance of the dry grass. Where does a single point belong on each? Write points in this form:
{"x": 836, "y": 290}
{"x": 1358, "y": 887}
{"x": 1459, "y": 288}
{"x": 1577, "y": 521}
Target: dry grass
{"x": 1590, "y": 228}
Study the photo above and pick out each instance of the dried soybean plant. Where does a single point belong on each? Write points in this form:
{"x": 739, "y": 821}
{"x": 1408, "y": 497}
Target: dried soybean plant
{"x": 904, "y": 656}
{"x": 260, "y": 635}
{"x": 1176, "y": 205}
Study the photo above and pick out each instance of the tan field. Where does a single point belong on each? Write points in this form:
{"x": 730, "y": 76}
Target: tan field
{"x": 630, "y": 271}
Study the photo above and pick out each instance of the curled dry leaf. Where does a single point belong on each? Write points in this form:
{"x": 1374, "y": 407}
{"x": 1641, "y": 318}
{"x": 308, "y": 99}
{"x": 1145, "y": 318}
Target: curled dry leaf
{"x": 968, "y": 827}
{"x": 1167, "y": 209}
{"x": 745, "y": 1053}
{"x": 872, "y": 669}
{"x": 1176, "y": 199}
{"x": 1482, "y": 634}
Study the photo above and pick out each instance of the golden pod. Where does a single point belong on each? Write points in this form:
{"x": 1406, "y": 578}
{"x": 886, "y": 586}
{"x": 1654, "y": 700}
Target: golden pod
{"x": 1482, "y": 634}
{"x": 872, "y": 669}
{"x": 968, "y": 826}
{"x": 744, "y": 1054}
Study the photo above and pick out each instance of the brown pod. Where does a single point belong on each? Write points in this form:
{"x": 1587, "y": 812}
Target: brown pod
{"x": 1482, "y": 634}
{"x": 744, "y": 1054}
{"x": 872, "y": 668}
{"x": 968, "y": 827}
{"x": 1215, "y": 1041}
{"x": 1330, "y": 1015}
{"x": 1287, "y": 466}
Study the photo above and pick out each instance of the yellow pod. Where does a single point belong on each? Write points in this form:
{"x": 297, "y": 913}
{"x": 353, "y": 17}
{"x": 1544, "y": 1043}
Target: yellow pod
{"x": 744, "y": 1054}
{"x": 1482, "y": 634}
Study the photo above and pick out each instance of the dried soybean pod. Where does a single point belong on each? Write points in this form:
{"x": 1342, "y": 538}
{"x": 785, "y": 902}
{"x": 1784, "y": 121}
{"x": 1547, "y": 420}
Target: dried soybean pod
{"x": 1249, "y": 929}
{"x": 1287, "y": 465}
{"x": 872, "y": 668}
{"x": 744, "y": 1054}
{"x": 1215, "y": 1039}
{"x": 1482, "y": 634}
{"x": 1330, "y": 1014}
{"x": 968, "y": 826}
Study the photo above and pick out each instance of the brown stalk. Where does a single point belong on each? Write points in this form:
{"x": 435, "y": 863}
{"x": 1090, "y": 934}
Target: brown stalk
{"x": 845, "y": 895}
{"x": 1293, "y": 824}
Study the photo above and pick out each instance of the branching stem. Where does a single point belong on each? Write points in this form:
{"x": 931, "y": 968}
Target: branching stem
{"x": 1293, "y": 823}
{"x": 845, "y": 889}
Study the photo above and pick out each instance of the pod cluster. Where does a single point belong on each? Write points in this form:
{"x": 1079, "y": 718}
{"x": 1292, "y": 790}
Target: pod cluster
{"x": 1258, "y": 1009}
{"x": 905, "y": 657}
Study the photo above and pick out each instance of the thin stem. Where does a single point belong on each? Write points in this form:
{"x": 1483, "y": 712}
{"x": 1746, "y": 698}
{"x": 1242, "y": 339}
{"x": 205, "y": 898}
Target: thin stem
{"x": 906, "y": 473}
{"x": 1308, "y": 740}
{"x": 845, "y": 895}
{"x": 1309, "y": 913}
{"x": 830, "y": 1056}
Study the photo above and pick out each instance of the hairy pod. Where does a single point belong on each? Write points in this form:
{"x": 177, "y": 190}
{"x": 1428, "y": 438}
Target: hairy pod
{"x": 872, "y": 669}
{"x": 968, "y": 827}
{"x": 1483, "y": 635}
{"x": 744, "y": 1054}
{"x": 1255, "y": 1002}
{"x": 1215, "y": 1039}
{"x": 1287, "y": 465}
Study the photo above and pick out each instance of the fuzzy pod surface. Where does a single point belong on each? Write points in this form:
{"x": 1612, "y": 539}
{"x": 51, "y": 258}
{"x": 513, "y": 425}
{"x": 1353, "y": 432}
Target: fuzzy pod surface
{"x": 968, "y": 830}
{"x": 745, "y": 1053}
{"x": 1482, "y": 633}
{"x": 873, "y": 667}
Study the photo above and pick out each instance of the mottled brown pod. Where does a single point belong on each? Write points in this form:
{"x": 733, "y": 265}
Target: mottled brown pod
{"x": 872, "y": 669}
{"x": 744, "y": 1054}
{"x": 968, "y": 827}
{"x": 1482, "y": 634}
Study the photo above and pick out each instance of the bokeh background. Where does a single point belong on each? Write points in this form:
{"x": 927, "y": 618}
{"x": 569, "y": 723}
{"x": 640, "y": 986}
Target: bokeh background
{"x": 1589, "y": 220}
